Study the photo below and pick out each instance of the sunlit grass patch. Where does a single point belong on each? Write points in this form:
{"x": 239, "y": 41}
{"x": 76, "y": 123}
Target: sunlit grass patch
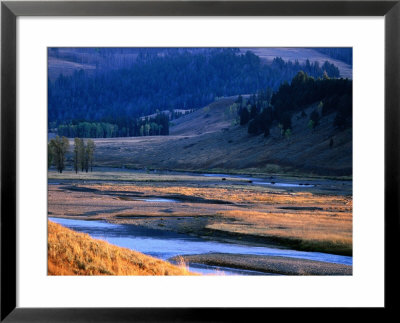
{"x": 314, "y": 231}
{"x": 72, "y": 253}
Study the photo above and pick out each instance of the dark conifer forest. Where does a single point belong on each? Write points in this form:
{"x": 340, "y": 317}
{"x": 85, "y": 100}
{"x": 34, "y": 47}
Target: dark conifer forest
{"x": 328, "y": 95}
{"x": 114, "y": 100}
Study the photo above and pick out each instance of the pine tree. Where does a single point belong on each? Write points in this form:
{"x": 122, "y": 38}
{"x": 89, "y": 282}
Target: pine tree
{"x": 244, "y": 116}
{"x": 253, "y": 127}
{"x": 253, "y": 111}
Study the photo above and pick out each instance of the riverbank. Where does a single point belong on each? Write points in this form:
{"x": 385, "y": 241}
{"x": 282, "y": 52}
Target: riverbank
{"x": 269, "y": 264}
{"x": 73, "y": 253}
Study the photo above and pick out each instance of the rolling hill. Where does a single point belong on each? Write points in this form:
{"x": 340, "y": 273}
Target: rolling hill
{"x": 209, "y": 139}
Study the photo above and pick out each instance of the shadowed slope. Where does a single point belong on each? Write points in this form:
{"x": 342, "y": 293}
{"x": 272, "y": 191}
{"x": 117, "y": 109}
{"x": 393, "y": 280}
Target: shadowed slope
{"x": 209, "y": 139}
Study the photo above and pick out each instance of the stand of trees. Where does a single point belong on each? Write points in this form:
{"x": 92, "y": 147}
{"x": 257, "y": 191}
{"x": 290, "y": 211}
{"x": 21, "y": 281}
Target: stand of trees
{"x": 332, "y": 96}
{"x": 83, "y": 155}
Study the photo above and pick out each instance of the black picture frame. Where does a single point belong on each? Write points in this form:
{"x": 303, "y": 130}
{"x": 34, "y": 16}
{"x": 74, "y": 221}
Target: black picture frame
{"x": 10, "y": 10}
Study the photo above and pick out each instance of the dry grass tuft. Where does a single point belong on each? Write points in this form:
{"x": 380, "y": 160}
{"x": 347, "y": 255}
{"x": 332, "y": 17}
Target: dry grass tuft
{"x": 72, "y": 253}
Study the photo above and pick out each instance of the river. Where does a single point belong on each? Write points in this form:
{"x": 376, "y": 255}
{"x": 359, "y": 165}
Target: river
{"x": 164, "y": 245}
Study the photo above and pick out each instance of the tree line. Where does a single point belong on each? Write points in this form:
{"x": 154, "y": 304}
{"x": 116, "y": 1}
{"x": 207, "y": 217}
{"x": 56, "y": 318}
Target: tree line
{"x": 329, "y": 96}
{"x": 123, "y": 127}
{"x": 83, "y": 154}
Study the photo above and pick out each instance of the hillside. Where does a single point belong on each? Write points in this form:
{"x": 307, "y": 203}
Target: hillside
{"x": 72, "y": 253}
{"x": 118, "y": 85}
{"x": 301, "y": 54}
{"x": 66, "y": 60}
{"x": 209, "y": 140}
{"x": 210, "y": 119}
{"x": 57, "y": 66}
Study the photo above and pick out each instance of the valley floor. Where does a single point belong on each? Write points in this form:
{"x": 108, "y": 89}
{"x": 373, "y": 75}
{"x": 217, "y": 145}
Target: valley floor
{"x": 301, "y": 214}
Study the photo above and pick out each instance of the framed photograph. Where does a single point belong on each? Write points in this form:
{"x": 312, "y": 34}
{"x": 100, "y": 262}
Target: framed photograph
{"x": 185, "y": 160}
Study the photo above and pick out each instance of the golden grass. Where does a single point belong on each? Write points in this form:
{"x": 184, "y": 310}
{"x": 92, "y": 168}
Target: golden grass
{"x": 72, "y": 253}
{"x": 318, "y": 231}
{"x": 234, "y": 195}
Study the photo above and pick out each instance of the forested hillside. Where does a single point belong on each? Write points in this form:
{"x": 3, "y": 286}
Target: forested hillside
{"x": 110, "y": 98}
{"x": 329, "y": 95}
{"x": 209, "y": 140}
